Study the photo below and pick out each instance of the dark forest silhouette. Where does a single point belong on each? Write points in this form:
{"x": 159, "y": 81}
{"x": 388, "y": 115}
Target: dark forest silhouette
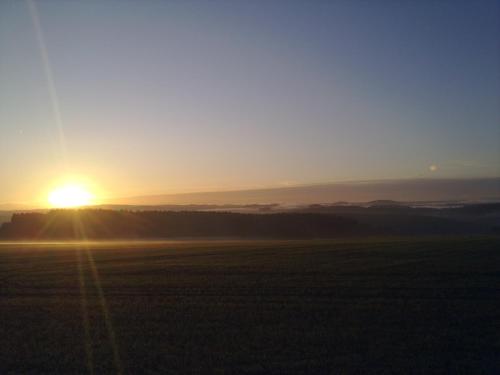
{"x": 313, "y": 222}
{"x": 100, "y": 224}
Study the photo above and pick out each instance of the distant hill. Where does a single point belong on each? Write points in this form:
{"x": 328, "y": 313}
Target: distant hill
{"x": 468, "y": 190}
{"x": 243, "y": 208}
{"x": 384, "y": 203}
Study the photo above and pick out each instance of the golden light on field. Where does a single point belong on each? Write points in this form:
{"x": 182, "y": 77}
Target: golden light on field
{"x": 70, "y": 196}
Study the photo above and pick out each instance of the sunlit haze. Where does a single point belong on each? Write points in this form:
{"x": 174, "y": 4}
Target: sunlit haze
{"x": 160, "y": 97}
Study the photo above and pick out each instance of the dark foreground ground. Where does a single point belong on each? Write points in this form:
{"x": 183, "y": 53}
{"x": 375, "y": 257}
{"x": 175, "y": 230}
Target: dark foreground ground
{"x": 278, "y": 307}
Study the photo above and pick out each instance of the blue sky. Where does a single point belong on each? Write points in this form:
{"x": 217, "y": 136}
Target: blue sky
{"x": 177, "y": 96}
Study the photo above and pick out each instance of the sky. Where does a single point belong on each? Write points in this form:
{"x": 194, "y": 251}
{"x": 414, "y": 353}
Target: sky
{"x": 152, "y": 97}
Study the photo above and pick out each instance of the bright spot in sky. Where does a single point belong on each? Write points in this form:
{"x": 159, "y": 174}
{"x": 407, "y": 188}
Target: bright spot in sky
{"x": 433, "y": 168}
{"x": 70, "y": 196}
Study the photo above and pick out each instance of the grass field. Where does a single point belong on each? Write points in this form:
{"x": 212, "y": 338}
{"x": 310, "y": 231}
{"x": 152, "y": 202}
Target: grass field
{"x": 242, "y": 307}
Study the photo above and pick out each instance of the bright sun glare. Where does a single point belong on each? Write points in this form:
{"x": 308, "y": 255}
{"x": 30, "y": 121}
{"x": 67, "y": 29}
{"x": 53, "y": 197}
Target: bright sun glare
{"x": 70, "y": 196}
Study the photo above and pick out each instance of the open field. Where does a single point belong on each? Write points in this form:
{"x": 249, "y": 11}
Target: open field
{"x": 379, "y": 305}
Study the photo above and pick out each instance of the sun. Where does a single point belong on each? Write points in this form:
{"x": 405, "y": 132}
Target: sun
{"x": 70, "y": 196}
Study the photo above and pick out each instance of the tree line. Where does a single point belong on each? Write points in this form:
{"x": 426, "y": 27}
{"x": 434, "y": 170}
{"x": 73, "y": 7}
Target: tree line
{"x": 108, "y": 224}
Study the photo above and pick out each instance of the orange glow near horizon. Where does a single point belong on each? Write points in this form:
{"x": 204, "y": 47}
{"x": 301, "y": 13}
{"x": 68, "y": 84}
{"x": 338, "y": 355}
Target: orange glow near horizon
{"x": 71, "y": 195}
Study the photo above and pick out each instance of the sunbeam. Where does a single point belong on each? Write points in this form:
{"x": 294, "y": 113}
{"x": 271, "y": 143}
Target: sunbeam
{"x": 47, "y": 69}
{"x": 85, "y": 313}
{"x": 80, "y": 228}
